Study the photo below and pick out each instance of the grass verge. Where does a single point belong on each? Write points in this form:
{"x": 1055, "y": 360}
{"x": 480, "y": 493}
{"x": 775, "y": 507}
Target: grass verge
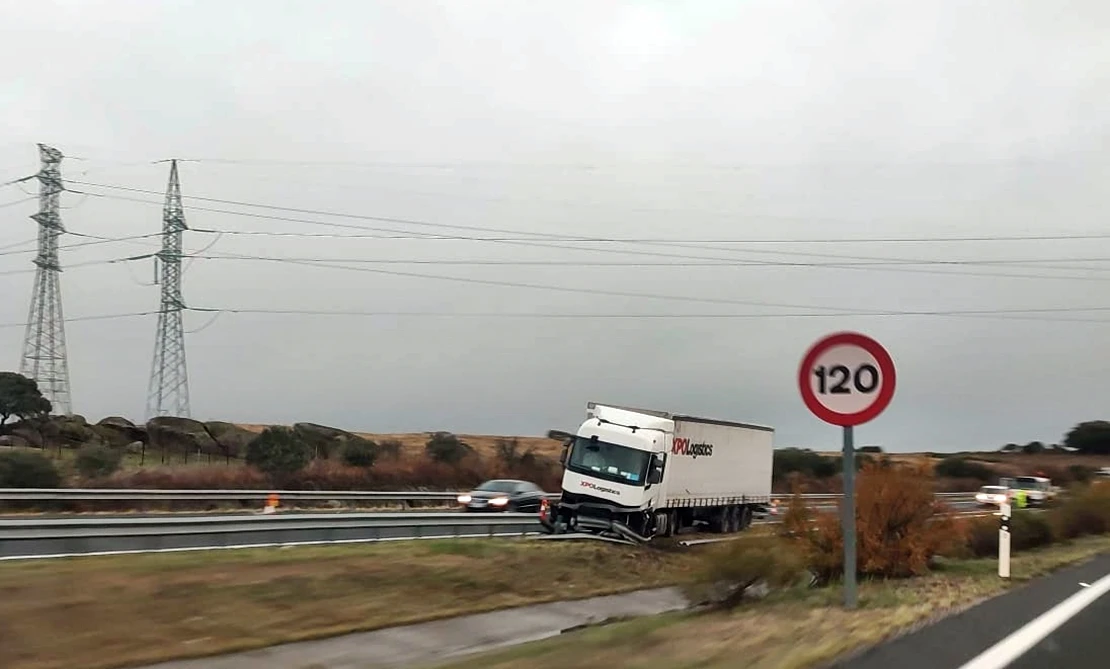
{"x": 101, "y": 612}
{"x": 796, "y": 629}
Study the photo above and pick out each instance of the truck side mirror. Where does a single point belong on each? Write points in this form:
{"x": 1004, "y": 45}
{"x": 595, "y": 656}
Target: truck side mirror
{"x": 655, "y": 474}
{"x": 565, "y": 453}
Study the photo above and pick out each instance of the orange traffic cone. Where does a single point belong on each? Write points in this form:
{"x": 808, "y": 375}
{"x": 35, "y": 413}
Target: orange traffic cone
{"x": 271, "y": 503}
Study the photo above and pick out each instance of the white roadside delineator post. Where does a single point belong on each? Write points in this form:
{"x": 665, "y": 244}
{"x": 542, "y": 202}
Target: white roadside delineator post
{"x": 1004, "y": 541}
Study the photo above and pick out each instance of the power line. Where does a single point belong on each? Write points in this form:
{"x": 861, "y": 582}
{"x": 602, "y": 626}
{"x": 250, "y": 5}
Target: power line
{"x": 692, "y": 261}
{"x": 99, "y": 317}
{"x": 554, "y": 236}
{"x": 1009, "y": 314}
{"x": 555, "y": 288}
{"x": 97, "y": 240}
{"x": 19, "y": 201}
{"x": 1040, "y": 315}
{"x": 533, "y": 243}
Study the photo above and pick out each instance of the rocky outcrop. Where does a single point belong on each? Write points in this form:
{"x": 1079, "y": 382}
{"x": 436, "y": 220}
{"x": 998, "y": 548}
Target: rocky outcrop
{"x": 231, "y": 439}
{"x": 120, "y": 432}
{"x": 13, "y": 441}
{"x": 72, "y": 431}
{"x": 324, "y": 440}
{"x": 184, "y": 436}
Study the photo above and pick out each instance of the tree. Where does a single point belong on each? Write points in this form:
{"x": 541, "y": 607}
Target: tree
{"x": 957, "y": 467}
{"x": 359, "y": 452}
{"x": 1090, "y": 438}
{"x": 446, "y": 447}
{"x": 278, "y": 451}
{"x": 1033, "y": 448}
{"x": 20, "y": 397}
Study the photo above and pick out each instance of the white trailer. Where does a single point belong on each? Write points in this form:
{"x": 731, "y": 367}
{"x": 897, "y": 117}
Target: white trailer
{"x": 639, "y": 474}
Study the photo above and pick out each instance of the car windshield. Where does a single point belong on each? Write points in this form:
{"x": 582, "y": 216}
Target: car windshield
{"x": 1023, "y": 483}
{"x": 497, "y": 486}
{"x": 608, "y": 461}
{"x": 992, "y": 489}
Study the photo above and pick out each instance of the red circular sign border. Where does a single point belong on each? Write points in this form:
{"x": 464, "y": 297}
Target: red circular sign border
{"x": 886, "y": 368}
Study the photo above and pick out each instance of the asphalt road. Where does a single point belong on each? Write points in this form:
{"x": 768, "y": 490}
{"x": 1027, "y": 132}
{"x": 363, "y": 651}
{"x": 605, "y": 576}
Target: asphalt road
{"x": 1080, "y": 643}
{"x": 957, "y": 640}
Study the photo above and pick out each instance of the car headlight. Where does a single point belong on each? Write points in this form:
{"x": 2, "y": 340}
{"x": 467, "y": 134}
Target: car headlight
{"x": 463, "y": 499}
{"x": 499, "y": 501}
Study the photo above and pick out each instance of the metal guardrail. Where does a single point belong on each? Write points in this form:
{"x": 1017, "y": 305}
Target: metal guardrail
{"x": 113, "y": 494}
{"x": 110, "y": 494}
{"x": 46, "y": 537}
{"x": 63, "y": 537}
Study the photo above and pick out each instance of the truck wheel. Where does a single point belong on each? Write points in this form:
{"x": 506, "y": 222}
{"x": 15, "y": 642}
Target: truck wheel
{"x": 722, "y": 521}
{"x": 664, "y": 525}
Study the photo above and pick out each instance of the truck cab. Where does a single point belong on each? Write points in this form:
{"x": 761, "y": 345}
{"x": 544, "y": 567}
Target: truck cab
{"x": 634, "y": 474}
{"x": 613, "y": 475}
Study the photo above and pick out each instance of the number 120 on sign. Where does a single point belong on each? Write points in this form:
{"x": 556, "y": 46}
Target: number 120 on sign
{"x": 846, "y": 378}
{"x": 835, "y": 379}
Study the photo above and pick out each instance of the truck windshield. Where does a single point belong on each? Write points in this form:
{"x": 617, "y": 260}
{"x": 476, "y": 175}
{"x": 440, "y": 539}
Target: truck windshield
{"x": 1026, "y": 483}
{"x": 611, "y": 462}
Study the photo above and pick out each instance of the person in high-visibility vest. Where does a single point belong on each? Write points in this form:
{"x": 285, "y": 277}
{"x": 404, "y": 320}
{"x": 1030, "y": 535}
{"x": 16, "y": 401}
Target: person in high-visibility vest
{"x": 1019, "y": 498}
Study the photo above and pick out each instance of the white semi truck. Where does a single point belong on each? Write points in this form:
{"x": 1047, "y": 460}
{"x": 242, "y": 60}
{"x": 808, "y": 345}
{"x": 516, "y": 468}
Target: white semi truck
{"x": 638, "y": 474}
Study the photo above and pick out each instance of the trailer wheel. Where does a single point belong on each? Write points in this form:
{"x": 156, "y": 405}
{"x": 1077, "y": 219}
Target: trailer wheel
{"x": 745, "y": 517}
{"x": 735, "y": 519}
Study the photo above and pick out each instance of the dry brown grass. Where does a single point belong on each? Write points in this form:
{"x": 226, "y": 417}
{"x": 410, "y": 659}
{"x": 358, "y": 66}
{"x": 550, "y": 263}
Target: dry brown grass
{"x": 113, "y": 611}
{"x": 791, "y": 630}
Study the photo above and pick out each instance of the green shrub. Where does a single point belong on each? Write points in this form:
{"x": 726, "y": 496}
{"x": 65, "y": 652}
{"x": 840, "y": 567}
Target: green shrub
{"x": 1086, "y": 510}
{"x": 731, "y": 569}
{"x": 803, "y": 461}
{"x": 982, "y": 537}
{"x": 390, "y": 448}
{"x": 446, "y": 447}
{"x": 97, "y": 461}
{"x": 278, "y": 452}
{"x": 27, "y": 469}
{"x": 962, "y": 468}
{"x": 1081, "y": 473}
{"x": 359, "y": 452}
{"x": 1028, "y": 530}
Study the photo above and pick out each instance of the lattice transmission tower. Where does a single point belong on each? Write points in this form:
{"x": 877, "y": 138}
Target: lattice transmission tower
{"x": 169, "y": 379}
{"x": 44, "y": 344}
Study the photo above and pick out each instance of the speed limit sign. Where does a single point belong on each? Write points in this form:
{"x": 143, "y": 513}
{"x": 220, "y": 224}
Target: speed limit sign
{"x": 846, "y": 379}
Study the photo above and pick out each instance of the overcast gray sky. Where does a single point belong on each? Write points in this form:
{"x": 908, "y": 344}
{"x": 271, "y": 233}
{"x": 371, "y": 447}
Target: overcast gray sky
{"x": 718, "y": 122}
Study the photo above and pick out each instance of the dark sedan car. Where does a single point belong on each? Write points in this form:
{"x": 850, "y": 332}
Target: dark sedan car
{"x": 503, "y": 495}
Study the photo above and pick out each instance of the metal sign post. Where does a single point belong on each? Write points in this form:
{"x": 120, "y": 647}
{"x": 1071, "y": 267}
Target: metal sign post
{"x": 848, "y": 518}
{"x": 1004, "y": 541}
{"x": 847, "y": 379}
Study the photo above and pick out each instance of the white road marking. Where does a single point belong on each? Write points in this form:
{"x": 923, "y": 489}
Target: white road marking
{"x": 1018, "y": 643}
